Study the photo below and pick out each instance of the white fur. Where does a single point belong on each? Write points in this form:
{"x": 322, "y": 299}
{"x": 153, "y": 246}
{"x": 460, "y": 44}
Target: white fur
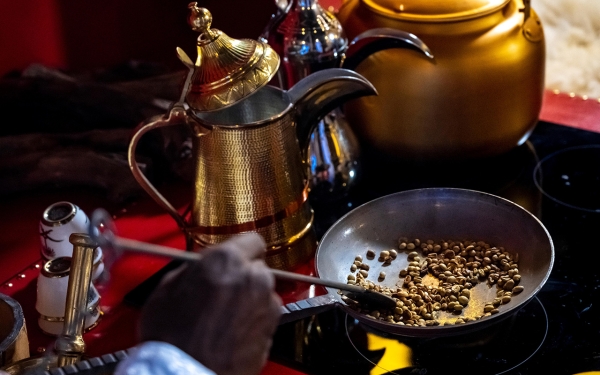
{"x": 572, "y": 31}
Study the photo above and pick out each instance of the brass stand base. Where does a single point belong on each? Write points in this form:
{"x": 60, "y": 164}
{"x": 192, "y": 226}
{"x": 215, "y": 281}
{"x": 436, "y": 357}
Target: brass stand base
{"x": 33, "y": 365}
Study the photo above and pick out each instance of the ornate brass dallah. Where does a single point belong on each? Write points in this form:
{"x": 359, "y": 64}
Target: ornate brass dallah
{"x": 249, "y": 144}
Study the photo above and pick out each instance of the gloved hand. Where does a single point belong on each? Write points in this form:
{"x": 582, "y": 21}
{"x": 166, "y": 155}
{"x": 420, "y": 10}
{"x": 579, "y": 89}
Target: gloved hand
{"x": 221, "y": 310}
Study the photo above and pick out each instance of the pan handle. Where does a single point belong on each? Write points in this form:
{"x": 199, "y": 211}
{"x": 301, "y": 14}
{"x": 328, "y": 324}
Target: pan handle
{"x": 307, "y": 307}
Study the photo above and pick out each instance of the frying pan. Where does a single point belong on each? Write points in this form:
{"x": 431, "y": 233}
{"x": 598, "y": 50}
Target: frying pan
{"x": 437, "y": 214}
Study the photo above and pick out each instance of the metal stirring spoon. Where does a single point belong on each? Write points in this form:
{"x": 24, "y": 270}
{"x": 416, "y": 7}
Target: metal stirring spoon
{"x": 102, "y": 230}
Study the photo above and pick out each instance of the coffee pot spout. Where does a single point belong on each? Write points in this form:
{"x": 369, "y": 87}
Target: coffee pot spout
{"x": 319, "y": 93}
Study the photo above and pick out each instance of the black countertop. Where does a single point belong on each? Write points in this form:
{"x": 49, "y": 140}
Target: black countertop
{"x": 558, "y": 332}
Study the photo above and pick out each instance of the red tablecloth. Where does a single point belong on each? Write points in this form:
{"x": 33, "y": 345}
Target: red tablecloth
{"x": 571, "y": 110}
{"x": 143, "y": 221}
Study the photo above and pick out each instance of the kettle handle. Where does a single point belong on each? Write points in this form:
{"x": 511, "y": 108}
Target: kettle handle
{"x": 177, "y": 116}
{"x": 526, "y": 10}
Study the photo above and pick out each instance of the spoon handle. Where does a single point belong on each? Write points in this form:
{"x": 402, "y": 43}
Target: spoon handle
{"x": 152, "y": 249}
{"x": 286, "y": 275}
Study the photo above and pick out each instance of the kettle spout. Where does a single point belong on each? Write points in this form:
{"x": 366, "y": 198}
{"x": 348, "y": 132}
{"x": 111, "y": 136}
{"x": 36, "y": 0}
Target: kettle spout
{"x": 379, "y": 39}
{"x": 321, "y": 92}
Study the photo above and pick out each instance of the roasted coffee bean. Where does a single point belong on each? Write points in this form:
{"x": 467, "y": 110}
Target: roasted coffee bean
{"x": 517, "y": 289}
{"x": 517, "y": 278}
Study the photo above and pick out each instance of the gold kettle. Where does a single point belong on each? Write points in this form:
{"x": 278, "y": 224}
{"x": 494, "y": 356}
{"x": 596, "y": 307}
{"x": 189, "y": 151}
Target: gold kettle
{"x": 249, "y": 144}
{"x": 480, "y": 96}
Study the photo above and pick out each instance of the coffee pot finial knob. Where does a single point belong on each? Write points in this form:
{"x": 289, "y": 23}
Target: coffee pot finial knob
{"x": 226, "y": 69}
{"x": 200, "y": 20}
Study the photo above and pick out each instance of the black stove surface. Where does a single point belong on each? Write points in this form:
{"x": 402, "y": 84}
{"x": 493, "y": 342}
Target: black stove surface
{"x": 556, "y": 176}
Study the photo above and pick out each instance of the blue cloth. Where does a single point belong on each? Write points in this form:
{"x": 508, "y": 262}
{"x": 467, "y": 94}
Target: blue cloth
{"x": 160, "y": 358}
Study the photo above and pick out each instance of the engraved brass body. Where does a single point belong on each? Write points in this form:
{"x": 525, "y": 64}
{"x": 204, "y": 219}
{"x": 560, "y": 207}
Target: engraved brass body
{"x": 249, "y": 146}
{"x": 480, "y": 96}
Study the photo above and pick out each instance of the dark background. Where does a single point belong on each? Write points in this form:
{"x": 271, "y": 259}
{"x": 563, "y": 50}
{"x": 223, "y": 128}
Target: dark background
{"x": 83, "y": 35}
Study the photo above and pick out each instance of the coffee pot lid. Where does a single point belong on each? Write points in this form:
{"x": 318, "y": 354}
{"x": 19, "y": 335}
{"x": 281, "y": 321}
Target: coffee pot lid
{"x": 435, "y": 10}
{"x": 227, "y": 70}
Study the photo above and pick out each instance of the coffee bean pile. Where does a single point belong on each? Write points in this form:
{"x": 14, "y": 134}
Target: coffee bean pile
{"x": 457, "y": 265}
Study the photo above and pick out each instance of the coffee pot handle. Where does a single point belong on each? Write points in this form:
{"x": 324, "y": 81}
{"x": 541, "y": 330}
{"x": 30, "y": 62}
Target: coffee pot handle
{"x": 374, "y": 40}
{"x": 177, "y": 116}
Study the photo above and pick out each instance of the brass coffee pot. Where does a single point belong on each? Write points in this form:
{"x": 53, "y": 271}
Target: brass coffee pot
{"x": 480, "y": 96}
{"x": 249, "y": 143}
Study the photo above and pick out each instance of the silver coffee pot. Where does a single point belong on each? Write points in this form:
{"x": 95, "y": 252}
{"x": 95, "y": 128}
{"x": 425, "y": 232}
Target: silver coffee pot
{"x": 309, "y": 38}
